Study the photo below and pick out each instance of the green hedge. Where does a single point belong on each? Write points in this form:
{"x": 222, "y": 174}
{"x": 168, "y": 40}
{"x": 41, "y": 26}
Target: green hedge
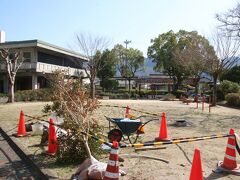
{"x": 3, "y": 95}
{"x": 123, "y": 94}
{"x": 233, "y": 99}
{"x": 33, "y": 95}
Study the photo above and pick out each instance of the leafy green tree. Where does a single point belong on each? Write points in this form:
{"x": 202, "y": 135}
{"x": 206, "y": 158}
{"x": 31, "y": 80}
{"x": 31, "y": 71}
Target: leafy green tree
{"x": 129, "y": 62}
{"x": 107, "y": 70}
{"x": 232, "y": 74}
{"x": 180, "y": 54}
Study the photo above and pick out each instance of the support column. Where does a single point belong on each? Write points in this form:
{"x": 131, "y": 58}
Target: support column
{"x": 5, "y": 84}
{"x": 34, "y": 82}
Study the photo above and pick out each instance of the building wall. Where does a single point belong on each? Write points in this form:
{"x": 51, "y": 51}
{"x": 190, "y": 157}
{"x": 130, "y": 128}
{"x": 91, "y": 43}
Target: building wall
{"x": 30, "y": 73}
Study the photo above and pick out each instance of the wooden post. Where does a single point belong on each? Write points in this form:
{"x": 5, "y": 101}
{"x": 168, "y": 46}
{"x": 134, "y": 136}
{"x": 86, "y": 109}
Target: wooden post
{"x": 197, "y": 101}
{"x": 209, "y": 108}
{"x": 202, "y": 102}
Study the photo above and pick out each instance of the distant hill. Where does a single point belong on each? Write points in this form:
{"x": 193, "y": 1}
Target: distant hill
{"x": 148, "y": 68}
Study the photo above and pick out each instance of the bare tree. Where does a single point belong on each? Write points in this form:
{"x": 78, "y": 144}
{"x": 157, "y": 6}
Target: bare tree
{"x": 230, "y": 21}
{"x": 226, "y": 48}
{"x": 72, "y": 102}
{"x": 13, "y": 61}
{"x": 91, "y": 47}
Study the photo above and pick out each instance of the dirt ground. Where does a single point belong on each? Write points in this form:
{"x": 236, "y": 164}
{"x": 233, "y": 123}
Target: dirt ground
{"x": 199, "y": 123}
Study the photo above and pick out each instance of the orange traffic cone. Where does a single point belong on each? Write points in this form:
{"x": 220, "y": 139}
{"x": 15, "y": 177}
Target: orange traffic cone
{"x": 127, "y": 112}
{"x": 229, "y": 164}
{"x": 21, "y": 126}
{"x": 196, "y": 170}
{"x": 112, "y": 171}
{"x": 163, "y": 129}
{"x": 52, "y": 138}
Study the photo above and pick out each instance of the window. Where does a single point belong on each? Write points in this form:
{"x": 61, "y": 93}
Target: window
{"x": 27, "y": 56}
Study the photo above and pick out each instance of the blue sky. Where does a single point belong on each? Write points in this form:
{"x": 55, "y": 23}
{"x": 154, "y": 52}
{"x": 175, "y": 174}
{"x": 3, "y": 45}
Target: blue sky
{"x": 57, "y": 21}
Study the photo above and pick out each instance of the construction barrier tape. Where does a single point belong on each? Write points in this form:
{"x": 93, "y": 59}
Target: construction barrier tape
{"x": 124, "y": 107}
{"x": 176, "y": 141}
{"x": 36, "y": 117}
{"x": 137, "y": 145}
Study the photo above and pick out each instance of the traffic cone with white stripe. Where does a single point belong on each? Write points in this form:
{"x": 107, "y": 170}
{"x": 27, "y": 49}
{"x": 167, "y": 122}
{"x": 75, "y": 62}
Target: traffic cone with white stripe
{"x": 229, "y": 164}
{"x": 112, "y": 171}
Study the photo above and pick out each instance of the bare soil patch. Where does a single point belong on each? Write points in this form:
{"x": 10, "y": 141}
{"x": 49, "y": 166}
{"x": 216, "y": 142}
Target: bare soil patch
{"x": 200, "y": 123}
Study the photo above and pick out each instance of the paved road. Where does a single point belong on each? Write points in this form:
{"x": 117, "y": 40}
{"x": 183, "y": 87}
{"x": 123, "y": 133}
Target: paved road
{"x": 11, "y": 165}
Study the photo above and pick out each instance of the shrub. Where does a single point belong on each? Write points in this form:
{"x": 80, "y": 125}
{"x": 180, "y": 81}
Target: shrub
{"x": 71, "y": 149}
{"x": 233, "y": 99}
{"x": 178, "y": 93}
{"x": 3, "y": 95}
{"x": 169, "y": 97}
{"x": 229, "y": 87}
{"x": 33, "y": 95}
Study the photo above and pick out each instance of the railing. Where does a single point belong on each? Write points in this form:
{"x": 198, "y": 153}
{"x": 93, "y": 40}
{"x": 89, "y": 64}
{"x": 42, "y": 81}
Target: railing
{"x": 25, "y": 65}
{"x": 50, "y": 68}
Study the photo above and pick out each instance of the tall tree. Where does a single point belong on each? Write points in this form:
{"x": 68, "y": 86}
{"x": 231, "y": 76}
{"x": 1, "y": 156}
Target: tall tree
{"x": 193, "y": 55}
{"x": 12, "y": 59}
{"x": 129, "y": 62}
{"x": 108, "y": 70}
{"x": 177, "y": 52}
{"x": 226, "y": 48}
{"x": 91, "y": 47}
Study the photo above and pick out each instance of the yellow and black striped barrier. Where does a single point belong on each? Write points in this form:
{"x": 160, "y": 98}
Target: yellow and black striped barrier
{"x": 176, "y": 141}
{"x": 124, "y": 107}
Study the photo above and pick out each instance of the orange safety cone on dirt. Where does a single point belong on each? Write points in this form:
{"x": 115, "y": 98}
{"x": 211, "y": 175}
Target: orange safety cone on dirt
{"x": 52, "y": 138}
{"x": 163, "y": 136}
{"x": 21, "y": 126}
{"x": 229, "y": 164}
{"x": 112, "y": 171}
{"x": 127, "y": 112}
{"x": 196, "y": 170}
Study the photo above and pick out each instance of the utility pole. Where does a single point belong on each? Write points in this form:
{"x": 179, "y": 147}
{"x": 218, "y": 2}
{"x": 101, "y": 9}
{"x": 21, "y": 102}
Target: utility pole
{"x": 127, "y": 42}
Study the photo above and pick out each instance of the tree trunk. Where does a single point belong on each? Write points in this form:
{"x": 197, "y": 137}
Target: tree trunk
{"x": 11, "y": 92}
{"x": 92, "y": 89}
{"x": 214, "y": 98}
{"x": 129, "y": 88}
{"x": 85, "y": 142}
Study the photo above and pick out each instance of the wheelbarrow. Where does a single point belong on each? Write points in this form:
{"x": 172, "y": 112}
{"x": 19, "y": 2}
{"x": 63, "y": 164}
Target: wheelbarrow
{"x": 126, "y": 129}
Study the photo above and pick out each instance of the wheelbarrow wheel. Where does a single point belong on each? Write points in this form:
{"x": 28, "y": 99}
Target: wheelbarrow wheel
{"x": 115, "y": 135}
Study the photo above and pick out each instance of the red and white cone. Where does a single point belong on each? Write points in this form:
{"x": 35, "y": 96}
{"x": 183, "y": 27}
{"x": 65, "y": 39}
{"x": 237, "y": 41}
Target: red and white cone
{"x": 229, "y": 164}
{"x": 112, "y": 171}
